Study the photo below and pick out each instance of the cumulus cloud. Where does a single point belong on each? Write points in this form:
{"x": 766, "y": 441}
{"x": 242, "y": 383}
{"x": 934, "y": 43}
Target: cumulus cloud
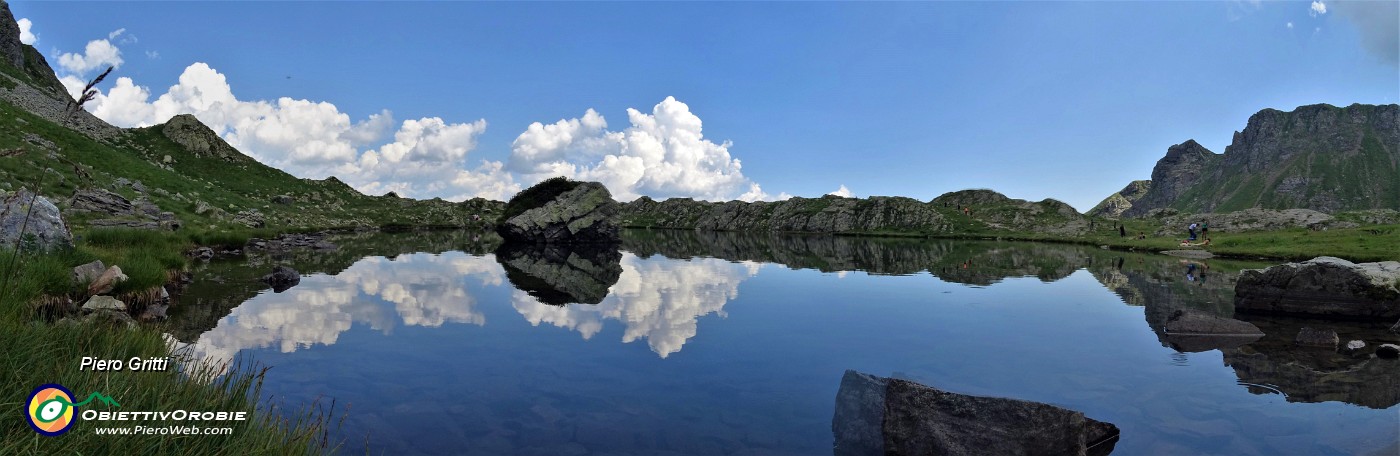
{"x": 660, "y": 154}
{"x": 424, "y": 158}
{"x": 1289, "y": 25}
{"x": 97, "y": 54}
{"x": 26, "y": 31}
{"x": 1318, "y": 8}
{"x": 1378, "y": 27}
{"x": 842, "y": 192}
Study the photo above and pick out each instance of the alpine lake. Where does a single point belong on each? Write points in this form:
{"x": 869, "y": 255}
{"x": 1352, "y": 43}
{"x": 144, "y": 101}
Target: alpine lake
{"x": 706, "y": 343}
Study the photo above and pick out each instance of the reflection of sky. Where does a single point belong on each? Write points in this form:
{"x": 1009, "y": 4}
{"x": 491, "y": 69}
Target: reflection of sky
{"x": 419, "y": 289}
{"x": 656, "y": 299}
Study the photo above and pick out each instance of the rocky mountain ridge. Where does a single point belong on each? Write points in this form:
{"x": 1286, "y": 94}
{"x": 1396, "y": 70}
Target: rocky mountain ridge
{"x": 1317, "y": 157}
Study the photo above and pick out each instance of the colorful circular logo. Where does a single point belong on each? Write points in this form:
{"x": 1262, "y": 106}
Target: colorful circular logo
{"x": 50, "y": 409}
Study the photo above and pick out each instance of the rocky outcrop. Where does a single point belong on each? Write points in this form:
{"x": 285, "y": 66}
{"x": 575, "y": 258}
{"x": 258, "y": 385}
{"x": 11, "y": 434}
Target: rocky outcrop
{"x": 25, "y": 215}
{"x": 252, "y": 218}
{"x": 1116, "y": 204}
{"x": 560, "y": 211}
{"x": 117, "y": 211}
{"x": 559, "y": 274}
{"x": 885, "y": 416}
{"x": 1325, "y": 287}
{"x": 1317, "y": 157}
{"x": 873, "y": 215}
{"x": 34, "y": 87}
{"x": 198, "y": 139}
{"x": 1195, "y": 331}
{"x": 11, "y": 49}
{"x": 1250, "y": 220}
{"x": 282, "y": 278}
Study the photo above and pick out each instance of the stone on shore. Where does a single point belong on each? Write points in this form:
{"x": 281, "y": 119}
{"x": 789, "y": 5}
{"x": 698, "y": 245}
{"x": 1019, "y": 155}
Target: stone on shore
{"x": 97, "y": 303}
{"x": 85, "y": 274}
{"x": 1323, "y": 287}
{"x": 107, "y": 281}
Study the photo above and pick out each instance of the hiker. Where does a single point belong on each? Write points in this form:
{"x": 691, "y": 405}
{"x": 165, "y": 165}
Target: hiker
{"x": 1205, "y": 230}
{"x": 1122, "y": 232}
{"x": 1191, "y": 230}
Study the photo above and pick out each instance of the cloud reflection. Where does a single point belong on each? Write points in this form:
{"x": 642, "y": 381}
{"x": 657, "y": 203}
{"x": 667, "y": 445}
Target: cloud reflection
{"x": 656, "y": 299}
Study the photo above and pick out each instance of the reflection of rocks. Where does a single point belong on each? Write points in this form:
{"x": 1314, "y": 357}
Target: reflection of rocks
{"x": 1309, "y": 374}
{"x": 1317, "y": 337}
{"x": 657, "y": 300}
{"x": 282, "y": 278}
{"x": 561, "y": 274}
{"x": 882, "y": 416}
{"x": 1323, "y": 287}
{"x": 1193, "y": 331}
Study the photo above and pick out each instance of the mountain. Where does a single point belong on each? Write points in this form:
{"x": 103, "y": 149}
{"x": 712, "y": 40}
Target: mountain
{"x": 989, "y": 213}
{"x": 1317, "y": 157}
{"x": 102, "y": 175}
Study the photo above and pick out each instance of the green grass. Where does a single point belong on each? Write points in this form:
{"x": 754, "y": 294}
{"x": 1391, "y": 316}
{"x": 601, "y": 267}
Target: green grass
{"x": 38, "y": 352}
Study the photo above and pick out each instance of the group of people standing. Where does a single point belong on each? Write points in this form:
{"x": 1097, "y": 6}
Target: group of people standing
{"x": 1191, "y": 230}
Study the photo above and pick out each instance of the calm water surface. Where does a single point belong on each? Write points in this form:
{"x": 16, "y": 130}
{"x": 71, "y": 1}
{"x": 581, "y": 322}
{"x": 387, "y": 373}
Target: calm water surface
{"x": 704, "y": 343}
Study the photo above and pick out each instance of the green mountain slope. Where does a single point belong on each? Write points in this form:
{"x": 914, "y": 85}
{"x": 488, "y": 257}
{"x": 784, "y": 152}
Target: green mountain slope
{"x": 1317, "y": 157}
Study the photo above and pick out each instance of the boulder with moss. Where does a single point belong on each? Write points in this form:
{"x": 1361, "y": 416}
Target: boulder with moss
{"x": 561, "y": 211}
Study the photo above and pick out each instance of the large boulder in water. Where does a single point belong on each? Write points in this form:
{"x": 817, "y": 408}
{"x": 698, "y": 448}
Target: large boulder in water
{"x": 282, "y": 278}
{"x": 44, "y": 224}
{"x": 1323, "y": 287}
{"x": 561, "y": 211}
{"x": 886, "y": 416}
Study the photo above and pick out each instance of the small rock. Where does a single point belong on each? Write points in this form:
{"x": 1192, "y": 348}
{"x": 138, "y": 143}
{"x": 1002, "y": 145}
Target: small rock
{"x": 282, "y": 278}
{"x": 103, "y": 302}
{"x": 88, "y": 272}
{"x": 203, "y": 253}
{"x": 1388, "y": 351}
{"x": 138, "y": 186}
{"x": 1317, "y": 337}
{"x": 1355, "y": 345}
{"x": 167, "y": 160}
{"x": 282, "y": 199}
{"x": 107, "y": 281}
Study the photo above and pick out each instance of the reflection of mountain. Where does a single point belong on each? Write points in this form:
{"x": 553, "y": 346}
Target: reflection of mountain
{"x": 561, "y": 274}
{"x": 1306, "y": 374}
{"x": 419, "y": 289}
{"x": 655, "y": 299}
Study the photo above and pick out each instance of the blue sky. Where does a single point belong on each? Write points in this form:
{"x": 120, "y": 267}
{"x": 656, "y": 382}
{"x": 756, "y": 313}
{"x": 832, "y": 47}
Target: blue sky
{"x": 1034, "y": 99}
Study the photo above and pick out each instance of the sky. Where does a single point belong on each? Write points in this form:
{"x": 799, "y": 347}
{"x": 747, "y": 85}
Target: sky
{"x": 720, "y": 101}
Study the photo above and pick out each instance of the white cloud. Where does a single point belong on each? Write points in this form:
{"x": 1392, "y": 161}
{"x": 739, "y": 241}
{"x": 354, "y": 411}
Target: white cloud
{"x": 1318, "y": 8}
{"x": 662, "y": 154}
{"x": 1377, "y": 24}
{"x": 425, "y": 157}
{"x": 97, "y": 54}
{"x": 116, "y": 33}
{"x": 26, "y": 31}
{"x": 842, "y": 192}
{"x": 1290, "y": 25}
{"x": 152, "y": 55}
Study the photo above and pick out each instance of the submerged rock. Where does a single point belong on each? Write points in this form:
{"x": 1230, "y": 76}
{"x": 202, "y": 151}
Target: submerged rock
{"x": 560, "y": 211}
{"x": 1194, "y": 331}
{"x": 282, "y": 278}
{"x": 1323, "y": 286}
{"x": 36, "y": 217}
{"x": 883, "y": 416}
{"x": 1317, "y": 337}
{"x": 1388, "y": 351}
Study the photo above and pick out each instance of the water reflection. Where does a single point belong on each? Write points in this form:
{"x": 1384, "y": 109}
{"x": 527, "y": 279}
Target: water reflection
{"x": 412, "y": 290}
{"x": 656, "y": 299}
{"x": 665, "y": 282}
